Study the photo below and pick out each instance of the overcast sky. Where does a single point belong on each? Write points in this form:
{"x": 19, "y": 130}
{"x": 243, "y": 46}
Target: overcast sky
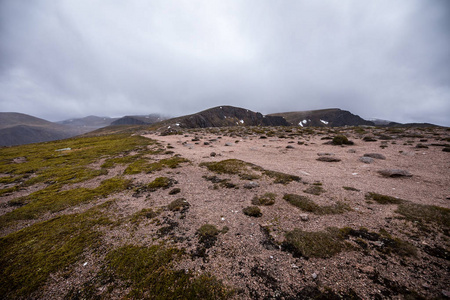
{"x": 379, "y": 59}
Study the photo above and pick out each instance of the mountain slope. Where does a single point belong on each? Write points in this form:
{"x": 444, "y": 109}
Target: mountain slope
{"x": 225, "y": 116}
{"x": 18, "y": 129}
{"x": 332, "y": 117}
{"x": 139, "y": 120}
{"x": 89, "y": 123}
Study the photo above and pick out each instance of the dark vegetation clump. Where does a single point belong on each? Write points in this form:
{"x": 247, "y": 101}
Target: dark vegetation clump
{"x": 149, "y": 271}
{"x": 341, "y": 140}
{"x": 179, "y": 204}
{"x": 382, "y": 242}
{"x": 306, "y": 204}
{"x": 383, "y": 199}
{"x": 349, "y": 188}
{"x": 160, "y": 183}
{"x": 322, "y": 244}
{"x": 146, "y": 213}
{"x": 174, "y": 191}
{"x": 280, "y": 177}
{"x": 266, "y": 199}
{"x": 252, "y": 211}
{"x": 207, "y": 235}
{"x": 314, "y": 190}
{"x": 244, "y": 169}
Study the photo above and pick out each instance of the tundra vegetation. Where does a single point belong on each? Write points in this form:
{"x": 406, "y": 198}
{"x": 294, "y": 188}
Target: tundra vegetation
{"x": 118, "y": 216}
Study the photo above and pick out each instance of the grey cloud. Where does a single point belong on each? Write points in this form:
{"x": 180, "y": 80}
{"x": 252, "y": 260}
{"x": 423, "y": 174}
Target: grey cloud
{"x": 385, "y": 59}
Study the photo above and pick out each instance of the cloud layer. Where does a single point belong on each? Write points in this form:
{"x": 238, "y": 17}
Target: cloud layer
{"x": 71, "y": 58}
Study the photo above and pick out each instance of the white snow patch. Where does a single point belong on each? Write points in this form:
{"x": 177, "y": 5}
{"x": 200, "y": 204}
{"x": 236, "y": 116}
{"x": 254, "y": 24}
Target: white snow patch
{"x": 221, "y": 107}
{"x": 168, "y": 127}
{"x": 324, "y": 122}
{"x": 300, "y": 123}
{"x": 178, "y": 124}
{"x": 242, "y": 121}
{"x": 305, "y": 121}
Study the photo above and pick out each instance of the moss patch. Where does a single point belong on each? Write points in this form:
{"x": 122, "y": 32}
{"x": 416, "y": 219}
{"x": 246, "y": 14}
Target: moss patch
{"x": 160, "y": 182}
{"x": 143, "y": 165}
{"x": 149, "y": 273}
{"x": 306, "y": 204}
{"x": 207, "y": 235}
{"x": 383, "y": 199}
{"x": 53, "y": 200}
{"x": 28, "y": 256}
{"x": 179, "y": 204}
{"x": 244, "y": 169}
{"x": 252, "y": 211}
{"x": 314, "y": 190}
{"x": 322, "y": 244}
{"x": 425, "y": 213}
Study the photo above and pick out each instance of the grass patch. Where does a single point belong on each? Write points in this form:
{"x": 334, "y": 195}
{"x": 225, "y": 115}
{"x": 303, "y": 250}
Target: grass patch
{"x": 266, "y": 199}
{"x": 207, "y": 235}
{"x": 52, "y": 200}
{"x": 146, "y": 213}
{"x": 425, "y": 213}
{"x": 252, "y": 211}
{"x": 148, "y": 272}
{"x": 30, "y": 255}
{"x": 306, "y": 204}
{"x": 322, "y": 244}
{"x": 244, "y": 169}
{"x": 383, "y": 199}
{"x": 70, "y": 166}
{"x": 341, "y": 140}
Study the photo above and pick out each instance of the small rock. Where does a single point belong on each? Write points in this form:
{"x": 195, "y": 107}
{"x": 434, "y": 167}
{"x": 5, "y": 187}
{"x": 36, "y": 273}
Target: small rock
{"x": 351, "y": 151}
{"x": 206, "y": 143}
{"x": 304, "y": 217}
{"x": 228, "y": 144}
{"x": 251, "y": 185}
{"x": 367, "y": 269}
{"x": 325, "y": 154}
{"x": 395, "y": 173}
{"x": 375, "y": 155}
{"x": 366, "y": 160}
{"x": 314, "y": 275}
{"x": 328, "y": 159}
{"x": 212, "y": 154}
{"x": 289, "y": 147}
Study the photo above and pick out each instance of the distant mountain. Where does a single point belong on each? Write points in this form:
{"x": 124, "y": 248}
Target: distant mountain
{"x": 224, "y": 116}
{"x": 18, "y": 129}
{"x": 332, "y": 117}
{"x": 89, "y": 123}
{"x": 139, "y": 120}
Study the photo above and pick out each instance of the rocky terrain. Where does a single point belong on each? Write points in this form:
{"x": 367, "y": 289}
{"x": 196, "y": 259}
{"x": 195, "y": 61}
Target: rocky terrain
{"x": 228, "y": 213}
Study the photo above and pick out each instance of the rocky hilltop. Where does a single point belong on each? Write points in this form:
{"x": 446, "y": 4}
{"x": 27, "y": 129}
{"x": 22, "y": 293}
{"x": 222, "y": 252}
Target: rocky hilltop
{"x": 333, "y": 117}
{"x": 139, "y": 120}
{"x": 226, "y": 116}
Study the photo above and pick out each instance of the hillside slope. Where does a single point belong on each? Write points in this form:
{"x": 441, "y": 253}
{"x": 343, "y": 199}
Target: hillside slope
{"x": 19, "y": 129}
{"x": 332, "y": 117}
{"x": 225, "y": 116}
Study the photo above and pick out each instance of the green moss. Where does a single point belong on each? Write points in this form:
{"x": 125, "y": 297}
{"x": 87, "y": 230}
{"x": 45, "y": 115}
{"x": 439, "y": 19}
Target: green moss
{"x": 252, "y": 211}
{"x": 266, "y": 199}
{"x": 383, "y": 199}
{"x": 149, "y": 274}
{"x": 52, "y": 200}
{"x": 280, "y": 177}
{"x": 160, "y": 182}
{"x": 30, "y": 255}
{"x": 206, "y": 231}
{"x": 425, "y": 213}
{"x": 306, "y": 204}
{"x": 322, "y": 244}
